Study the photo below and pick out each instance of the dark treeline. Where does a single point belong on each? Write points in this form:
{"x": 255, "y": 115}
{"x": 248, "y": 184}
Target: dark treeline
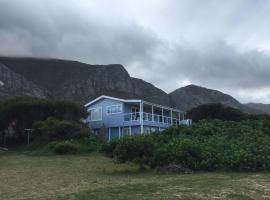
{"x": 21, "y": 113}
{"x": 221, "y": 112}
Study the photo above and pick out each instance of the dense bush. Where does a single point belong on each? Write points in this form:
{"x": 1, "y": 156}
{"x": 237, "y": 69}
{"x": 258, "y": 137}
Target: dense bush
{"x": 85, "y": 145}
{"x": 65, "y": 147}
{"x": 53, "y": 130}
{"x": 124, "y": 149}
{"x": 216, "y": 111}
{"x": 206, "y": 145}
{"x": 20, "y": 113}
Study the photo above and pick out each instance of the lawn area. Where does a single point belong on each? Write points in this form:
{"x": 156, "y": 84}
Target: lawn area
{"x": 96, "y": 177}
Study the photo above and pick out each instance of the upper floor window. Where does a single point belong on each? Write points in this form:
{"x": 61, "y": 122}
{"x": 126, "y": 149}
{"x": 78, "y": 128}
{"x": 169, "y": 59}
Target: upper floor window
{"x": 95, "y": 114}
{"x": 114, "y": 109}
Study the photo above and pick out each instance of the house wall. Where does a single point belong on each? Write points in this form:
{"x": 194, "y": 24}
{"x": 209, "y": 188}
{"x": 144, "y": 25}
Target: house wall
{"x": 112, "y": 120}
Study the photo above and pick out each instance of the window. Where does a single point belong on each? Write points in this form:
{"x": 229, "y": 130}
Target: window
{"x": 114, "y": 109}
{"x": 149, "y": 129}
{"x": 126, "y": 131}
{"x": 95, "y": 114}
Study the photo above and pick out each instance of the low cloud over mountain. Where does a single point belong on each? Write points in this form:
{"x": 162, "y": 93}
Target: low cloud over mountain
{"x": 222, "y": 45}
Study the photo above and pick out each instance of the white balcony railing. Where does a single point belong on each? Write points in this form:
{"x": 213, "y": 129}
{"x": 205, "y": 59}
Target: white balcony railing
{"x": 128, "y": 117}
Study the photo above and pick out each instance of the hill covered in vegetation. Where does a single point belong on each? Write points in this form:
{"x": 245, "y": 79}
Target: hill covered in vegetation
{"x": 79, "y": 82}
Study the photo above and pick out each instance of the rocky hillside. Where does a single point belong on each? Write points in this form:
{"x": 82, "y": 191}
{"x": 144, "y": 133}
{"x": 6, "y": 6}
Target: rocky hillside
{"x": 12, "y": 84}
{"x": 192, "y": 96}
{"x": 71, "y": 80}
{"x": 80, "y": 82}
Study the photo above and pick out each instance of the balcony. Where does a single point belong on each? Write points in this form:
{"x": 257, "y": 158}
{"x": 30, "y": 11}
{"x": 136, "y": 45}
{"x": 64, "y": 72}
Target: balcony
{"x": 149, "y": 117}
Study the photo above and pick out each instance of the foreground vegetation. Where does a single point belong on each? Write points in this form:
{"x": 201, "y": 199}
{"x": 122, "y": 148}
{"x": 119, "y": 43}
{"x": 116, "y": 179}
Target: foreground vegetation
{"x": 93, "y": 176}
{"x": 22, "y": 113}
{"x": 222, "y": 140}
{"x": 206, "y": 145}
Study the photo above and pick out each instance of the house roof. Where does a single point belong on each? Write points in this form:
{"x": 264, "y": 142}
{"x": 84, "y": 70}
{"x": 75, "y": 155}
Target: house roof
{"x": 129, "y": 101}
{"x": 113, "y": 98}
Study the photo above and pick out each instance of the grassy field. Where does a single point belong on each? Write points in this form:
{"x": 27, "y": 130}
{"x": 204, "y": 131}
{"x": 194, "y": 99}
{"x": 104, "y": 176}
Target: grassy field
{"x": 96, "y": 177}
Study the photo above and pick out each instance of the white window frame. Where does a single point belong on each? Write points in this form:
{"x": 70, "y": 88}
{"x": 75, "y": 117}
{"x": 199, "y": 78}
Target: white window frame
{"x": 96, "y": 108}
{"x": 107, "y": 107}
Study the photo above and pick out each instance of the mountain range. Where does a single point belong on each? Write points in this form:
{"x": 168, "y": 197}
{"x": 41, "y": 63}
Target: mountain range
{"x": 80, "y": 82}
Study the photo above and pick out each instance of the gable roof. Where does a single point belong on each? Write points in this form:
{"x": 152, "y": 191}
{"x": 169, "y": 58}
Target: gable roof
{"x": 112, "y": 98}
{"x": 129, "y": 101}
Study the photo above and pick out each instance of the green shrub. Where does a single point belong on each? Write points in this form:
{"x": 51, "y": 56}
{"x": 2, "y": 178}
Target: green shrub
{"x": 65, "y": 147}
{"x": 57, "y": 130}
{"x": 206, "y": 145}
{"x": 216, "y": 111}
{"x": 22, "y": 112}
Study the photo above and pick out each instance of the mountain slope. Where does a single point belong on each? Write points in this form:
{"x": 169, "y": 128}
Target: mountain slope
{"x": 71, "y": 80}
{"x": 75, "y": 81}
{"x": 192, "y": 96}
{"x": 259, "y": 107}
{"x": 14, "y": 84}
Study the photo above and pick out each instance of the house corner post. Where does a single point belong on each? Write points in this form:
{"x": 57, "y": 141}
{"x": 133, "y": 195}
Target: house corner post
{"x": 141, "y": 116}
{"x": 152, "y": 113}
{"x": 110, "y": 134}
{"x": 171, "y": 118}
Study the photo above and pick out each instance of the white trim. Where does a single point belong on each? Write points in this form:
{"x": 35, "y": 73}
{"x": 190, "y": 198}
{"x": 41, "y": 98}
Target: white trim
{"x": 141, "y": 117}
{"x": 121, "y": 105}
{"x": 132, "y": 101}
{"x": 112, "y": 98}
{"x": 161, "y": 106}
{"x": 95, "y": 108}
{"x": 171, "y": 118}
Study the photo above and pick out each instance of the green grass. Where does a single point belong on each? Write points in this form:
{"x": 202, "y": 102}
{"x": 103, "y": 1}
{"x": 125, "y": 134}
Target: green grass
{"x": 96, "y": 177}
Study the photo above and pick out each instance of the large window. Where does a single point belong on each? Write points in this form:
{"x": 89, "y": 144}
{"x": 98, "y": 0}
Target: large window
{"x": 114, "y": 109}
{"x": 95, "y": 114}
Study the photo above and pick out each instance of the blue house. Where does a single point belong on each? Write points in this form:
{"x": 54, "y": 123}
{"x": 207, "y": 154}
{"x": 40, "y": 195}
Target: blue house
{"x": 117, "y": 117}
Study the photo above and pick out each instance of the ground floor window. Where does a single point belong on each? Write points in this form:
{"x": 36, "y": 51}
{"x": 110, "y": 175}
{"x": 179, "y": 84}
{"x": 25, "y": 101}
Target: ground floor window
{"x": 125, "y": 131}
{"x": 148, "y": 129}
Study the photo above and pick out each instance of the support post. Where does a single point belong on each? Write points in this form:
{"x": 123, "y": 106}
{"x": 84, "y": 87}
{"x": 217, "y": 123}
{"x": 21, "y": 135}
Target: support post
{"x": 28, "y": 131}
{"x": 109, "y": 134}
{"x": 152, "y": 113}
{"x": 119, "y": 132}
{"x": 162, "y": 115}
{"x": 179, "y": 118}
{"x": 171, "y": 118}
{"x": 141, "y": 116}
{"x": 129, "y": 130}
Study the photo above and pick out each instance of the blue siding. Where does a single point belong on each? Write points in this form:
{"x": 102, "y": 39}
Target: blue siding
{"x": 112, "y": 120}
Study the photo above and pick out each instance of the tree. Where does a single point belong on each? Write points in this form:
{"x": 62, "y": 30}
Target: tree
{"x": 21, "y": 112}
{"x": 216, "y": 111}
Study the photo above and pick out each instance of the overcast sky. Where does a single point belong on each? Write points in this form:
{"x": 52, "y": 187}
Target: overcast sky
{"x": 218, "y": 44}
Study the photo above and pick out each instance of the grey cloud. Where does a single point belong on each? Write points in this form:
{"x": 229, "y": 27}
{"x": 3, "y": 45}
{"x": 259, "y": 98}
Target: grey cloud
{"x": 39, "y": 31}
{"x": 168, "y": 43}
